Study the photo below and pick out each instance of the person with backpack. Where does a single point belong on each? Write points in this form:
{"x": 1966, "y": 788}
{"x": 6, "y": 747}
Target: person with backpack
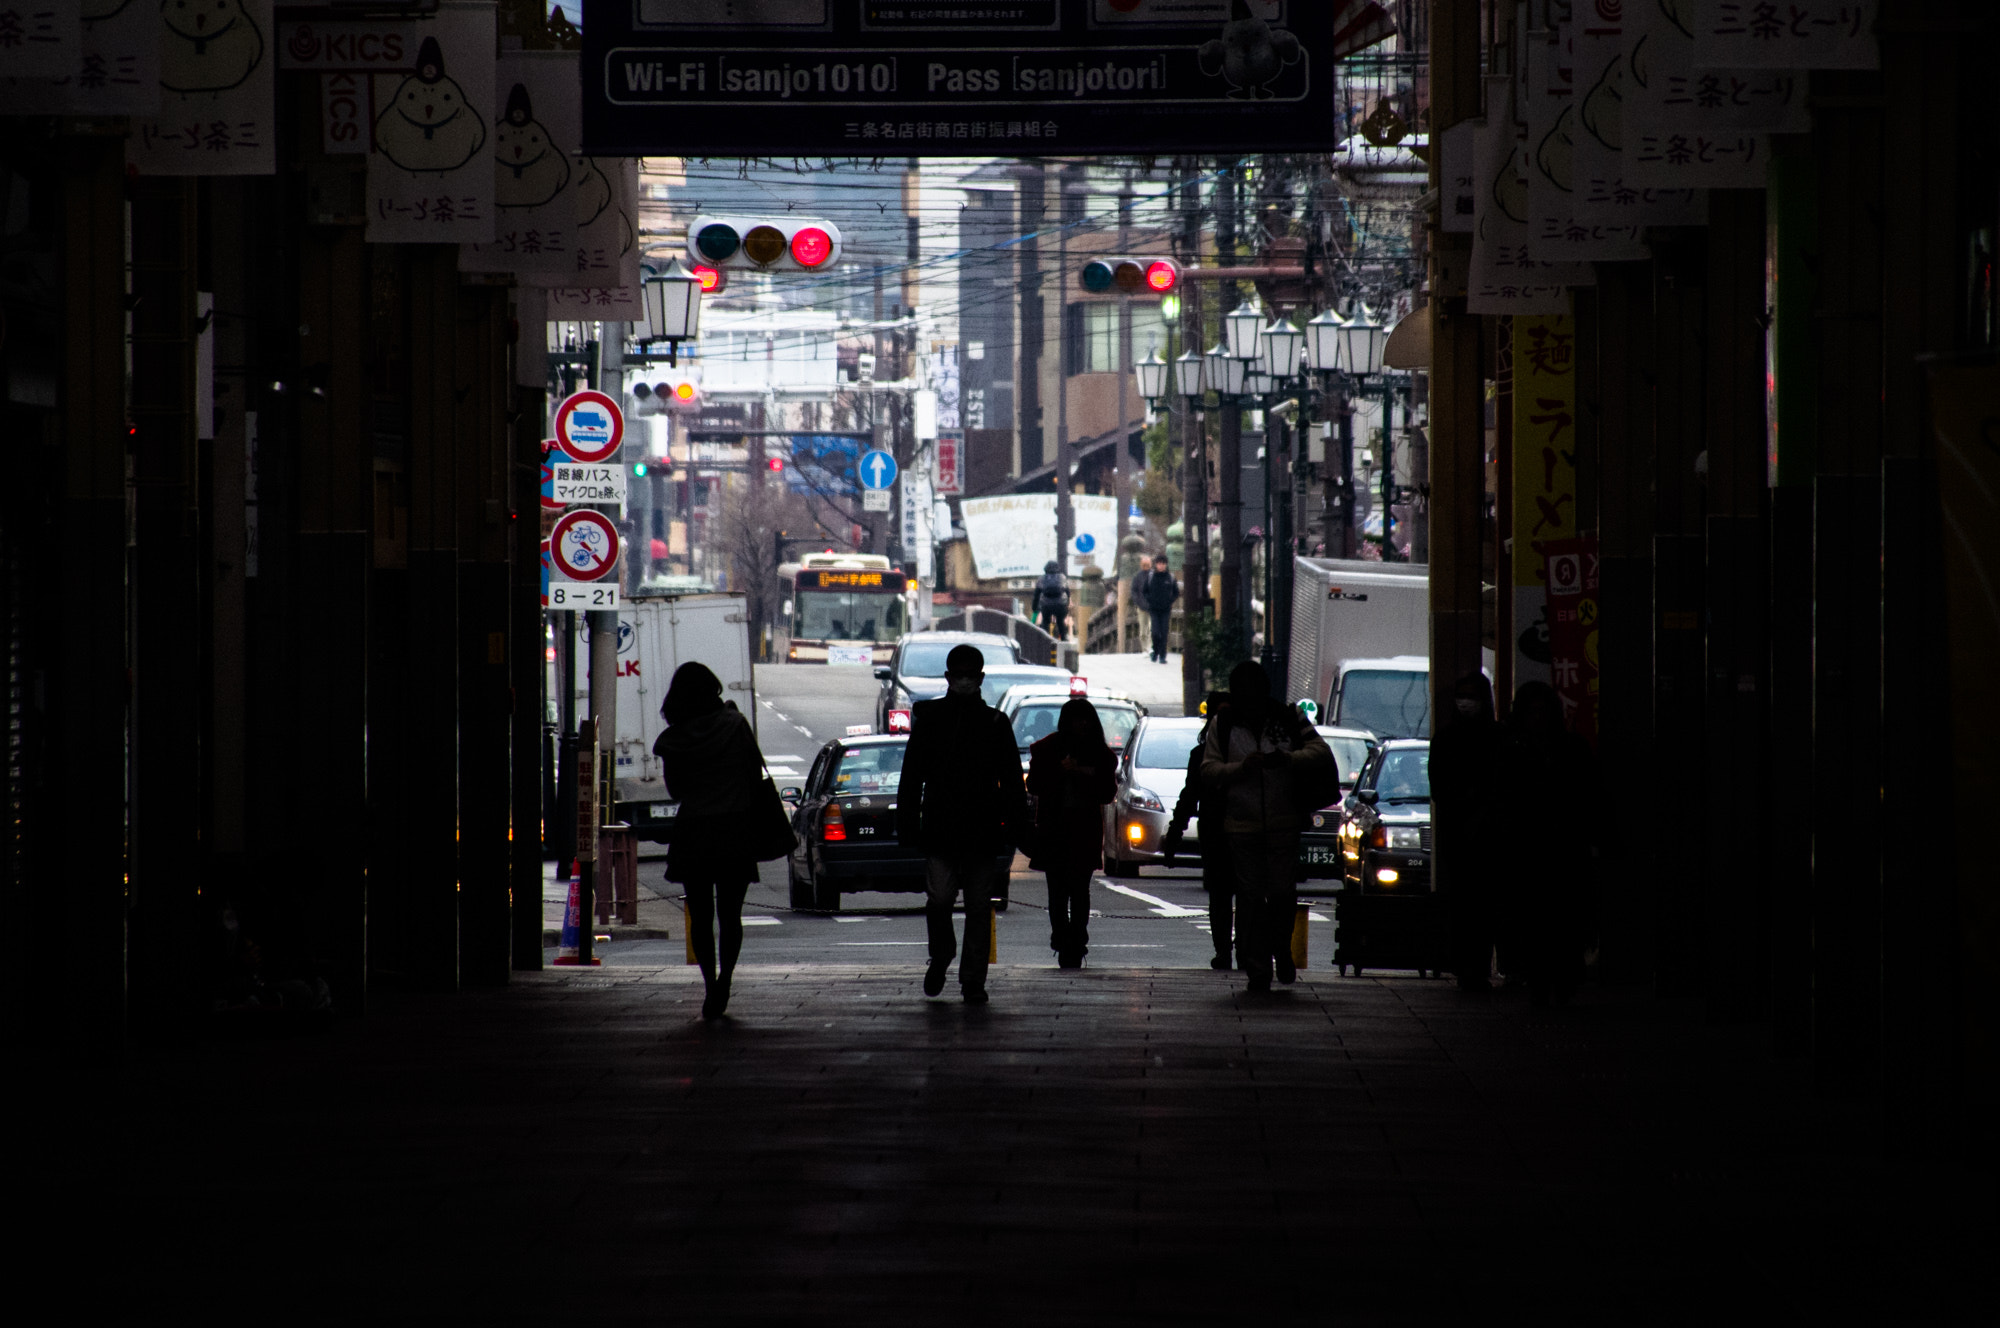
{"x": 1052, "y": 600}
{"x": 1156, "y": 590}
{"x": 1271, "y": 768}
{"x": 1071, "y": 776}
{"x": 1204, "y": 808}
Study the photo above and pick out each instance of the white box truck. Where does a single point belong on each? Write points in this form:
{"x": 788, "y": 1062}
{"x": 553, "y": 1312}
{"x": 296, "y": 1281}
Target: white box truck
{"x": 1346, "y": 609}
{"x": 656, "y": 635}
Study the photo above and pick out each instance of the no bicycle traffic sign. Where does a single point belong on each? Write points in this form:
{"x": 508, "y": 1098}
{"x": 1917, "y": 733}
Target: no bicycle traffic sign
{"x": 584, "y": 547}
{"x": 589, "y": 426}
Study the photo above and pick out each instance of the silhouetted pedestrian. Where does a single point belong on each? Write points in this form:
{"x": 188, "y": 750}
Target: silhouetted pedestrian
{"x": 1469, "y": 777}
{"x": 1157, "y": 590}
{"x": 1052, "y": 599}
{"x": 709, "y": 760}
{"x": 1255, "y": 756}
{"x": 1549, "y": 901}
{"x": 1071, "y": 774}
{"x": 961, "y": 801}
{"x": 1204, "y": 808}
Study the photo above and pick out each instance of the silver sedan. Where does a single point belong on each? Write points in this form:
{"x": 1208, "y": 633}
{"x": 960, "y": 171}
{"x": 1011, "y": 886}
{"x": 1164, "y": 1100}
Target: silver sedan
{"x": 1150, "y": 778}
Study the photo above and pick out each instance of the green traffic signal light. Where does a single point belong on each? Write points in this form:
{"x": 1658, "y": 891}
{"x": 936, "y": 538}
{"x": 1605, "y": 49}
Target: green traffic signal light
{"x": 1097, "y": 276}
{"x": 639, "y": 469}
{"x": 717, "y": 242}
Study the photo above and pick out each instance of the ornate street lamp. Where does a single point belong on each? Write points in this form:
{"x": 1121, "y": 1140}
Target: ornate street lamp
{"x": 1258, "y": 383}
{"x": 1241, "y": 328}
{"x": 1365, "y": 338}
{"x": 1152, "y": 372}
{"x": 1280, "y": 348}
{"x": 1189, "y": 376}
{"x": 1324, "y": 335}
{"x": 1226, "y": 372}
{"x": 673, "y": 307}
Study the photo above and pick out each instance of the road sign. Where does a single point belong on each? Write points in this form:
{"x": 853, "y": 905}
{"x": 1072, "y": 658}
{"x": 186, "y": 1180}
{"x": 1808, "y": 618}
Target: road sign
{"x": 589, "y": 426}
{"x": 878, "y": 469}
{"x": 601, "y": 483}
{"x": 545, "y": 574}
{"x": 552, "y": 456}
{"x": 584, "y": 595}
{"x": 1036, "y": 77}
{"x": 585, "y": 544}
{"x": 874, "y": 500}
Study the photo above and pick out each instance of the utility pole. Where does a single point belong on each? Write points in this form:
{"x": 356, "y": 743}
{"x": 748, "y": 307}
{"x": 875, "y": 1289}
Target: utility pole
{"x": 1121, "y": 470}
{"x": 1233, "y": 613}
{"x": 1194, "y": 454}
{"x": 1065, "y": 512}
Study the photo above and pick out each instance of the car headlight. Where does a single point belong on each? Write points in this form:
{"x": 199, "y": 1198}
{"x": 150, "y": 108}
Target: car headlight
{"x": 1139, "y": 800}
{"x": 1406, "y": 838}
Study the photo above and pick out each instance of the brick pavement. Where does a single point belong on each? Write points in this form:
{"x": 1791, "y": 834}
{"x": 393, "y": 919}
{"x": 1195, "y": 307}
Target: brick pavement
{"x": 1122, "y": 1146}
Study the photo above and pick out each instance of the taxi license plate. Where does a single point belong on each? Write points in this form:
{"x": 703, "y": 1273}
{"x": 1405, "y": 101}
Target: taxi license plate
{"x": 661, "y": 811}
{"x": 1319, "y": 855}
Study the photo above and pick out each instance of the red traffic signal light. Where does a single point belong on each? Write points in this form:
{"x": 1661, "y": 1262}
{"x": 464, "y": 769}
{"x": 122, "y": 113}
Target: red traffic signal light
{"x": 775, "y": 463}
{"x": 1135, "y": 276}
{"x": 805, "y": 244}
{"x": 713, "y": 279}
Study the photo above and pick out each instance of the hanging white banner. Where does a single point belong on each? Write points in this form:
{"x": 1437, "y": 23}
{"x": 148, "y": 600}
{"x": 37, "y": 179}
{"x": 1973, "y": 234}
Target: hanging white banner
{"x": 1797, "y": 34}
{"x": 430, "y": 170}
{"x": 218, "y": 110}
{"x": 114, "y": 71}
{"x": 1666, "y": 91}
{"x": 1556, "y": 234}
{"x": 604, "y": 277}
{"x": 1505, "y": 278}
{"x": 537, "y": 125}
{"x": 1605, "y": 192}
{"x": 41, "y": 40}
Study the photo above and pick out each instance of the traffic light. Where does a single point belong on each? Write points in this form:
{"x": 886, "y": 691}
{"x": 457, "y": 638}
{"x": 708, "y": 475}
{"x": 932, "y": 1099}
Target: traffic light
{"x": 803, "y": 244}
{"x": 714, "y": 280}
{"x": 1131, "y": 276}
{"x": 679, "y": 394}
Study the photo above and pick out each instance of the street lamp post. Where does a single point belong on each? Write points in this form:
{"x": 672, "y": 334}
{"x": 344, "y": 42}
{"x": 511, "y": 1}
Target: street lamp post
{"x": 673, "y": 307}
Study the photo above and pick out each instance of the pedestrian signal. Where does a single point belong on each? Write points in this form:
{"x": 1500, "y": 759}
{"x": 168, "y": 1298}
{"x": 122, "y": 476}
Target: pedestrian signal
{"x": 1131, "y": 276}
{"x": 805, "y": 244}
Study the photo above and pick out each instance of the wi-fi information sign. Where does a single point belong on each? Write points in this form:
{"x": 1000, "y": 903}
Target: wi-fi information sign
{"x": 955, "y": 77}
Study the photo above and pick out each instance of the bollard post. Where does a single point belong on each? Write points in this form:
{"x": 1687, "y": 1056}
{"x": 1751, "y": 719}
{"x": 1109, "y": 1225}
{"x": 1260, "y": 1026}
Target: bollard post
{"x": 1301, "y": 924}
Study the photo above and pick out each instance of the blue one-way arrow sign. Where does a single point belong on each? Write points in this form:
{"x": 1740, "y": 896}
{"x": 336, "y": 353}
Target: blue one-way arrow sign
{"x": 878, "y": 469}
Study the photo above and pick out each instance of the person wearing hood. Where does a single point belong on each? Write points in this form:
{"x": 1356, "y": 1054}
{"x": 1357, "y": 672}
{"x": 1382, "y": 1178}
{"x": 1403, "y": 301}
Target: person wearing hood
{"x": 1072, "y": 775}
{"x": 1468, "y": 773}
{"x": 1203, "y": 806}
{"x": 961, "y": 800}
{"x": 1255, "y": 757}
{"x": 1156, "y": 590}
{"x": 1052, "y": 599}
{"x": 1549, "y": 902}
{"x": 712, "y": 768}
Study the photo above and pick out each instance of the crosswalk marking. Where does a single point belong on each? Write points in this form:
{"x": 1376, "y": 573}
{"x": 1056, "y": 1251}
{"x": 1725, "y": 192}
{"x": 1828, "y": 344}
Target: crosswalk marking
{"x": 1159, "y": 906}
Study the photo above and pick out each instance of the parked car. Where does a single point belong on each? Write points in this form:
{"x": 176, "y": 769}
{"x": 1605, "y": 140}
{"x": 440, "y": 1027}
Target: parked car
{"x": 845, "y": 818}
{"x": 1385, "y": 831}
{"x": 1319, "y": 840}
{"x": 916, "y": 671}
{"x": 1032, "y": 709}
{"x": 1150, "y": 777}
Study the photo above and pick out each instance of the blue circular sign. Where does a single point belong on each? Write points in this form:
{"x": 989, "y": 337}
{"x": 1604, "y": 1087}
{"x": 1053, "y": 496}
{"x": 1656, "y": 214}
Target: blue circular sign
{"x": 877, "y": 468}
{"x": 1085, "y": 543}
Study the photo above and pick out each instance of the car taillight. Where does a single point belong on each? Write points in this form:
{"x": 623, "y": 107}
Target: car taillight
{"x": 833, "y": 826}
{"x": 899, "y": 721}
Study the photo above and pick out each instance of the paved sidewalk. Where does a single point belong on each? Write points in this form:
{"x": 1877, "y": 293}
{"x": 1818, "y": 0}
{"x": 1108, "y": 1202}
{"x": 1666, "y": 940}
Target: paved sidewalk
{"x": 1104, "y": 1146}
{"x": 1157, "y": 685}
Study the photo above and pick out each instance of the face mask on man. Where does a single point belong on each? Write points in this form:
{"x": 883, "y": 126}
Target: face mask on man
{"x": 963, "y": 686}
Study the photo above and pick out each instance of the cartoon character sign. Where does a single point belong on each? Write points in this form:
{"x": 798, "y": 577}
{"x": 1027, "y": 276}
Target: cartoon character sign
{"x": 207, "y": 45}
{"x": 529, "y": 169}
{"x": 430, "y": 124}
{"x": 1250, "y": 53}
{"x": 593, "y": 193}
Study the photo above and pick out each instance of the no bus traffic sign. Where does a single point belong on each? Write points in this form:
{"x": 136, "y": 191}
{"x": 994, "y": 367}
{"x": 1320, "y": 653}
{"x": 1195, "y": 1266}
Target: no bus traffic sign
{"x": 589, "y": 426}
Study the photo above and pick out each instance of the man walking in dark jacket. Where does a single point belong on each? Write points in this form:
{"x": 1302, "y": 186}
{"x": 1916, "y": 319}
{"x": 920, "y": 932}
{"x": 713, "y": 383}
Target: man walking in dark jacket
{"x": 1157, "y": 591}
{"x": 1204, "y": 807}
{"x": 962, "y": 802}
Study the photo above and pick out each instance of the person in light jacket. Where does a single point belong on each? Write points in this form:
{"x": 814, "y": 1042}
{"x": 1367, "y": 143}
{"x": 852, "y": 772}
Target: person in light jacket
{"x": 1071, "y": 774}
{"x": 1252, "y": 756}
{"x": 709, "y": 760}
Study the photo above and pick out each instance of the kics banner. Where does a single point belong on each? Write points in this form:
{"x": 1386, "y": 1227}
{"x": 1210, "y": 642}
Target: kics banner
{"x": 673, "y": 77}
